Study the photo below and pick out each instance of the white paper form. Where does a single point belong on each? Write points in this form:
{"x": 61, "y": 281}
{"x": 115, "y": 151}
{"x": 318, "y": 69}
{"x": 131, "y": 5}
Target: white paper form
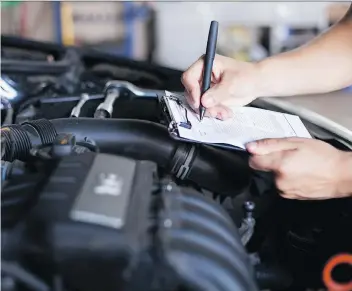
{"x": 247, "y": 124}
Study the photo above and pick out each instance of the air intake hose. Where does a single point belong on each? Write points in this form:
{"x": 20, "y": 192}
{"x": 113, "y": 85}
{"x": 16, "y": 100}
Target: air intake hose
{"x": 213, "y": 169}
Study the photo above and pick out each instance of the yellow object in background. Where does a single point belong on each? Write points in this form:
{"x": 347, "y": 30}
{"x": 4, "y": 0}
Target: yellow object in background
{"x": 241, "y": 56}
{"x": 241, "y": 43}
{"x": 67, "y": 25}
{"x": 237, "y": 42}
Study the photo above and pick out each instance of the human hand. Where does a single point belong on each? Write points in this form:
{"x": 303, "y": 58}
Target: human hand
{"x": 233, "y": 83}
{"x": 305, "y": 169}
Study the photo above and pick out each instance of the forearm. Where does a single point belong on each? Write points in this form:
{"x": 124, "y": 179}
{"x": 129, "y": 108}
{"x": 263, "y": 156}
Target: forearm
{"x": 323, "y": 65}
{"x": 345, "y": 173}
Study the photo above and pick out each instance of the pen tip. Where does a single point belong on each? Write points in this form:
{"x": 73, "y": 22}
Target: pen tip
{"x": 201, "y": 114}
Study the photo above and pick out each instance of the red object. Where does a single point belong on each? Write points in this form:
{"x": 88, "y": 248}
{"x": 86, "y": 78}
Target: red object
{"x": 329, "y": 281}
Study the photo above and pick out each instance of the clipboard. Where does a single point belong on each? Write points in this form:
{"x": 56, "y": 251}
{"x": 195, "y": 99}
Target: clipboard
{"x": 164, "y": 102}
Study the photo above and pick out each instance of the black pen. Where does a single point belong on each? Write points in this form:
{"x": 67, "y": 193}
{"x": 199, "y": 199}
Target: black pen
{"x": 208, "y": 62}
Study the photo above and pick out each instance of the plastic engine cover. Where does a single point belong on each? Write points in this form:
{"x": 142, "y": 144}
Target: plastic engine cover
{"x": 105, "y": 222}
{"x": 92, "y": 219}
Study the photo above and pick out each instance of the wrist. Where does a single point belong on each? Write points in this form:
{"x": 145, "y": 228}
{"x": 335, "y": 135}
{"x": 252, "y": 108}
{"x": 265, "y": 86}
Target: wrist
{"x": 344, "y": 186}
{"x": 263, "y": 85}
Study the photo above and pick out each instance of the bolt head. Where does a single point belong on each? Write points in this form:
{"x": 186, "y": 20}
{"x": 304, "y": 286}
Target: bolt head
{"x": 249, "y": 205}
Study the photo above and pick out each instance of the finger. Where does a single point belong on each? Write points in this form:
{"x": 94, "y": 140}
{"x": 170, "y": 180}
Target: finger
{"x": 267, "y": 163}
{"x": 282, "y": 189}
{"x": 218, "y": 93}
{"x": 220, "y": 112}
{"x": 212, "y": 112}
{"x": 290, "y": 196}
{"x": 224, "y": 112}
{"x": 224, "y": 93}
{"x": 190, "y": 101}
{"x": 191, "y": 81}
{"x": 282, "y": 186}
{"x": 216, "y": 112}
{"x": 271, "y": 145}
{"x": 298, "y": 197}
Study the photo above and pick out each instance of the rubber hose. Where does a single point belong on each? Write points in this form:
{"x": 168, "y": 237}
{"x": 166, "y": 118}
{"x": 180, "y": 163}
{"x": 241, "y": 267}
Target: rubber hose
{"x": 17, "y": 140}
{"x": 214, "y": 169}
{"x": 16, "y": 143}
{"x": 34, "y": 67}
{"x": 219, "y": 171}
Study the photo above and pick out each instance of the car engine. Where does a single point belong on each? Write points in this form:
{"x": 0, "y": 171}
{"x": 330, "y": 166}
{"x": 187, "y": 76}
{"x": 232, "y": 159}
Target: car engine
{"x": 97, "y": 196}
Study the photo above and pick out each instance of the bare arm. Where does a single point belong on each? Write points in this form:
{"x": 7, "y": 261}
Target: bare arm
{"x": 323, "y": 65}
{"x": 345, "y": 186}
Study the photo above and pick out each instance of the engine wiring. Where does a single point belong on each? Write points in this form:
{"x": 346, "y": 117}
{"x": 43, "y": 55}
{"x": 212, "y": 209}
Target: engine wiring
{"x": 15, "y": 271}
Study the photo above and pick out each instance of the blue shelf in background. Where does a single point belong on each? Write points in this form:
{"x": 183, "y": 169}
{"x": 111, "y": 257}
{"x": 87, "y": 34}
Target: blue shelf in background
{"x": 128, "y": 21}
{"x": 57, "y": 21}
{"x": 130, "y": 14}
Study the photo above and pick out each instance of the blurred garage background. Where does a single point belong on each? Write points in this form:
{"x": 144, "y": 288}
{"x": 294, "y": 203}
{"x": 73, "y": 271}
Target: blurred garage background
{"x": 171, "y": 33}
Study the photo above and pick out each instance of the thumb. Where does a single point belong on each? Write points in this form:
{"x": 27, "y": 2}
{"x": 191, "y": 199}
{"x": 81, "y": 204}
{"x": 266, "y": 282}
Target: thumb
{"x": 217, "y": 93}
{"x": 271, "y": 145}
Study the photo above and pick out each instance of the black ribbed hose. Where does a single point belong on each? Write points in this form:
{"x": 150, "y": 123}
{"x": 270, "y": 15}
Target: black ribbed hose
{"x": 213, "y": 169}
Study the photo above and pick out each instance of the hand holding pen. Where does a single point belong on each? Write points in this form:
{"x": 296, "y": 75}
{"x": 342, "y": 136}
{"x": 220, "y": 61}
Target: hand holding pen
{"x": 226, "y": 82}
{"x": 206, "y": 61}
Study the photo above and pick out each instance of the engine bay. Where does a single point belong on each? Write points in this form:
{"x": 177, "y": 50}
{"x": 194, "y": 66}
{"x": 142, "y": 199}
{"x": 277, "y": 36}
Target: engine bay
{"x": 97, "y": 196}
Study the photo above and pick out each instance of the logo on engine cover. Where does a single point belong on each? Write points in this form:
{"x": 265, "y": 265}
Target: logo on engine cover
{"x": 110, "y": 184}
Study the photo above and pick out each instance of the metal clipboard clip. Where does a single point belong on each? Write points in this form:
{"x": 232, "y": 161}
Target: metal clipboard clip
{"x": 173, "y": 125}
